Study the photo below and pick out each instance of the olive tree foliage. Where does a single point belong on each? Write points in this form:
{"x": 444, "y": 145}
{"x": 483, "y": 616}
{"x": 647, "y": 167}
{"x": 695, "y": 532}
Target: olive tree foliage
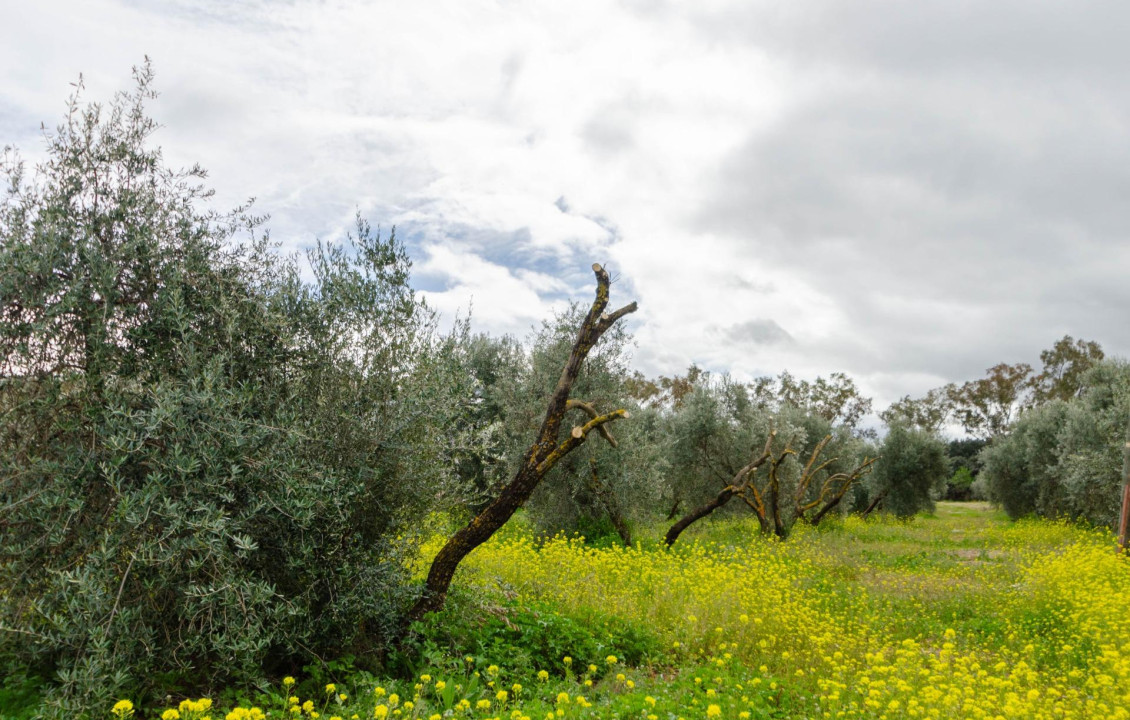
{"x": 1064, "y": 458}
{"x": 601, "y": 482}
{"x": 204, "y": 460}
{"x": 910, "y": 474}
{"x": 494, "y": 365}
{"x": 712, "y": 432}
{"x": 1020, "y": 470}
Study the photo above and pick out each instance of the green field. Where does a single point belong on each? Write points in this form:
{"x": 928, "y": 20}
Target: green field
{"x": 953, "y": 615}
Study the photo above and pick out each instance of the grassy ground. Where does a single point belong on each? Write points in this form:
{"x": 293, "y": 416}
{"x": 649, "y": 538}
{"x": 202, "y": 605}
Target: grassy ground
{"x": 960, "y": 614}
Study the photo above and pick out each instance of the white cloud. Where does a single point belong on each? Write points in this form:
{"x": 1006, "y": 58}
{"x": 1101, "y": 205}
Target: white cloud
{"x": 909, "y": 200}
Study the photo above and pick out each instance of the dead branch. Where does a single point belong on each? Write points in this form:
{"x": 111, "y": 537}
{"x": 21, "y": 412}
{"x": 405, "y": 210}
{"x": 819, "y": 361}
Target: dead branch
{"x": 545, "y": 452}
{"x": 593, "y": 414}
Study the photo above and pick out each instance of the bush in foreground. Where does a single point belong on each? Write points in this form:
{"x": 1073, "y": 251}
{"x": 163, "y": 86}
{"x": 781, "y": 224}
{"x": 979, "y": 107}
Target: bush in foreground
{"x": 199, "y": 481}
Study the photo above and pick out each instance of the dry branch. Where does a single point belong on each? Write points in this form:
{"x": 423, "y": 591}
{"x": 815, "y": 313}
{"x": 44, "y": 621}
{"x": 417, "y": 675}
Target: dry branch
{"x": 545, "y": 452}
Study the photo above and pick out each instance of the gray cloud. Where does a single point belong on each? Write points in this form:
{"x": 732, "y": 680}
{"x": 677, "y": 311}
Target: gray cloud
{"x": 954, "y": 186}
{"x": 761, "y": 331}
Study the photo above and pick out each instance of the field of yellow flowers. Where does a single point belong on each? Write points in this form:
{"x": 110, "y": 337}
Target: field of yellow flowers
{"x": 957, "y": 615}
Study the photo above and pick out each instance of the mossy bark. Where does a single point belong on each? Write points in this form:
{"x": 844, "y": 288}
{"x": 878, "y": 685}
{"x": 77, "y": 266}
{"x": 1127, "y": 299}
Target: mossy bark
{"x": 542, "y": 455}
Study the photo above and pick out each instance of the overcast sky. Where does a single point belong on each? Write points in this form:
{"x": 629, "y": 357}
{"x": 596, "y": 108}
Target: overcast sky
{"x": 909, "y": 192}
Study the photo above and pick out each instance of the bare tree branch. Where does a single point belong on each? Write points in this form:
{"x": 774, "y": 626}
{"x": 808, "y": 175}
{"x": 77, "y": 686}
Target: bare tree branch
{"x": 546, "y": 450}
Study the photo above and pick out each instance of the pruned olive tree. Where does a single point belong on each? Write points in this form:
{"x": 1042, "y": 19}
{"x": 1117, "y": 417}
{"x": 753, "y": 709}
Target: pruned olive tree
{"x": 543, "y": 454}
{"x": 781, "y": 491}
{"x": 802, "y": 467}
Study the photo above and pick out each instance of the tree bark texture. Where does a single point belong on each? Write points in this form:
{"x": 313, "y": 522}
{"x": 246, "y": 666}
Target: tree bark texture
{"x": 542, "y": 455}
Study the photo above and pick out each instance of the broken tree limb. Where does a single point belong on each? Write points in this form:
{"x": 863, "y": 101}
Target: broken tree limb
{"x": 546, "y": 450}
{"x": 577, "y": 436}
{"x": 593, "y": 414}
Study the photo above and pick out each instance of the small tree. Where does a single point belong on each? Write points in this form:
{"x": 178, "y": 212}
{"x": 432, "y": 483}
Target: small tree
{"x": 910, "y": 474}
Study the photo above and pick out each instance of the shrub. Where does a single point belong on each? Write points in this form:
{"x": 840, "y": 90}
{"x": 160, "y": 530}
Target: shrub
{"x": 205, "y": 462}
{"x": 960, "y": 485}
{"x": 531, "y": 635}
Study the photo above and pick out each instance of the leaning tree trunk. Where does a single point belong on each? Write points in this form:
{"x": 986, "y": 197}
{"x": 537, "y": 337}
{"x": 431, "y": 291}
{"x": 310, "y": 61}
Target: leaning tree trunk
{"x": 542, "y": 455}
{"x": 699, "y": 513}
{"x": 737, "y": 486}
{"x": 875, "y": 503}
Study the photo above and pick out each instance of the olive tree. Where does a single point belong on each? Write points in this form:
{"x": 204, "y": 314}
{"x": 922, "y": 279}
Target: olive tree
{"x": 910, "y": 474}
{"x": 540, "y": 456}
{"x": 205, "y": 462}
{"x": 786, "y": 464}
{"x": 1064, "y": 458}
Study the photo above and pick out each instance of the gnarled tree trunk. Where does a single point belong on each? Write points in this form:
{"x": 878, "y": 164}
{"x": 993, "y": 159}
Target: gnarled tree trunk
{"x": 743, "y": 479}
{"x": 542, "y": 455}
{"x": 766, "y": 501}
